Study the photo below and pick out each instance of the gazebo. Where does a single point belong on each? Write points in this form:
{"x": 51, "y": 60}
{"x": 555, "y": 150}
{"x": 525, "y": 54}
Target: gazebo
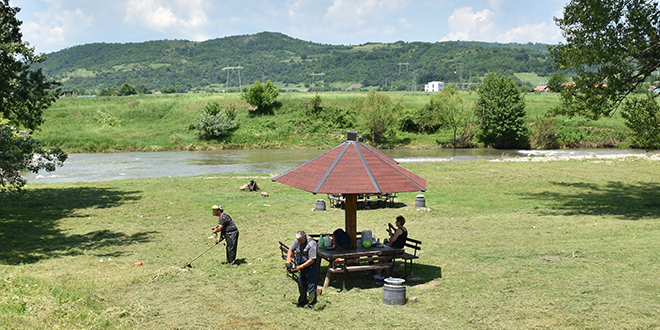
{"x": 352, "y": 168}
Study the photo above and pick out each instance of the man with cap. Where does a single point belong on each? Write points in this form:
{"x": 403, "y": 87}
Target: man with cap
{"x": 307, "y": 265}
{"x": 228, "y": 231}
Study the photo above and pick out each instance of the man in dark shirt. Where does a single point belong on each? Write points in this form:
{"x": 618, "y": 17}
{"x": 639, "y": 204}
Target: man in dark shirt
{"x": 228, "y": 231}
{"x": 308, "y": 266}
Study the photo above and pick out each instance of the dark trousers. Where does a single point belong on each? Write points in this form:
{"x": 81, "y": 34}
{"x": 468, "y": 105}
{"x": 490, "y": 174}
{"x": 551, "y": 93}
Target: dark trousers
{"x": 307, "y": 279}
{"x": 232, "y": 245}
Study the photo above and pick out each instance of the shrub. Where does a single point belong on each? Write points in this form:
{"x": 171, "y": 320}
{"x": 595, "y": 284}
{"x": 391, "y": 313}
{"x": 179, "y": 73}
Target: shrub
{"x": 261, "y": 95}
{"x": 379, "y": 114}
{"x": 214, "y": 122}
{"x": 127, "y": 89}
{"x": 642, "y": 117}
{"x": 168, "y": 90}
{"x": 545, "y": 134}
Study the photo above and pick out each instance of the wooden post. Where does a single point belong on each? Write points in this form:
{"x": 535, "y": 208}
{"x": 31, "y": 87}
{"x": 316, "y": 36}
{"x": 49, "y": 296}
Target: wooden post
{"x": 350, "y": 210}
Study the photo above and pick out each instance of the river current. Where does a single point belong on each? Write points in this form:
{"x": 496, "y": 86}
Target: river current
{"x": 130, "y": 165}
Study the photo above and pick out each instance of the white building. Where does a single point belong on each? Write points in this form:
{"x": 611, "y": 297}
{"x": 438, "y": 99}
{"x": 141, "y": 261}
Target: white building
{"x": 434, "y": 86}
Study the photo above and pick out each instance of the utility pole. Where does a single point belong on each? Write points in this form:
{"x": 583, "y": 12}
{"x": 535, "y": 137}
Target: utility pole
{"x": 239, "y": 76}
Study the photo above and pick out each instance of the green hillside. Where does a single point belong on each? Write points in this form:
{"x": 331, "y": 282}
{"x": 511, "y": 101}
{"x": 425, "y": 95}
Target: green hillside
{"x": 289, "y": 62}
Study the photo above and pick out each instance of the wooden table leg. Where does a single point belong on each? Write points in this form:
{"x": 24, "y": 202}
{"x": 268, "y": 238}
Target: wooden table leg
{"x": 328, "y": 275}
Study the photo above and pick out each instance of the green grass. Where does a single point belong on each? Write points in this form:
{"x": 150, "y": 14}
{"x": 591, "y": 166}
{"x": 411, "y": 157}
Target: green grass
{"x": 162, "y": 122}
{"x": 531, "y": 77}
{"x": 555, "y": 245}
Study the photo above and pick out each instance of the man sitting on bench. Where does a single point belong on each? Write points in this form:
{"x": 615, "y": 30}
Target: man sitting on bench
{"x": 399, "y": 235}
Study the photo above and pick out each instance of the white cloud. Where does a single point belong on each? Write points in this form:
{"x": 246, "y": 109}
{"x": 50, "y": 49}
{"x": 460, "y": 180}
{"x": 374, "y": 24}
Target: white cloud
{"x": 468, "y": 25}
{"x": 389, "y": 29}
{"x": 465, "y": 24}
{"x": 347, "y": 14}
{"x": 55, "y": 28}
{"x": 541, "y": 32}
{"x": 405, "y": 23}
{"x": 159, "y": 15}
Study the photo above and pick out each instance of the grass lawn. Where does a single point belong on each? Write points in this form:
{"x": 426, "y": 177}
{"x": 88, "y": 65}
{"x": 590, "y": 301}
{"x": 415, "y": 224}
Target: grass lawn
{"x": 548, "y": 245}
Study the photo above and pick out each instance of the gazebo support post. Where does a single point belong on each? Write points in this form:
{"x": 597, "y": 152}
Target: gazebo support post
{"x": 350, "y": 211}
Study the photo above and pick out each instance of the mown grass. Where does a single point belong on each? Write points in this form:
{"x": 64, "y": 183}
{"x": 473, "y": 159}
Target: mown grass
{"x": 162, "y": 122}
{"x": 556, "y": 245}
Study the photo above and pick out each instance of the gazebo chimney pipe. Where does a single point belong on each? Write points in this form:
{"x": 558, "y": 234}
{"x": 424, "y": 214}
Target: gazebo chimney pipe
{"x": 361, "y": 139}
{"x": 352, "y": 135}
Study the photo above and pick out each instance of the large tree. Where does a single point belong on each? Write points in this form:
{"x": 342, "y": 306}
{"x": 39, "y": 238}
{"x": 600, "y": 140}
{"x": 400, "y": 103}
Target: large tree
{"x": 24, "y": 94}
{"x": 613, "y": 45}
{"x": 501, "y": 109}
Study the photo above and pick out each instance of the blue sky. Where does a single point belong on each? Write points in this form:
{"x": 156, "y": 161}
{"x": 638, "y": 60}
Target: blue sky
{"x": 51, "y": 25}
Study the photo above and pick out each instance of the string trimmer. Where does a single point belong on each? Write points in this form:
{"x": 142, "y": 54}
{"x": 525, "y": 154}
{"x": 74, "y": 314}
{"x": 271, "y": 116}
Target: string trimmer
{"x": 189, "y": 264}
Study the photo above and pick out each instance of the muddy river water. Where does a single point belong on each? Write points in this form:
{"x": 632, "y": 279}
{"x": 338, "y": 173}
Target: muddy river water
{"x": 128, "y": 165}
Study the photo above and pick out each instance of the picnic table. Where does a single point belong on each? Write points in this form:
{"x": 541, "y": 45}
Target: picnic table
{"x": 343, "y": 261}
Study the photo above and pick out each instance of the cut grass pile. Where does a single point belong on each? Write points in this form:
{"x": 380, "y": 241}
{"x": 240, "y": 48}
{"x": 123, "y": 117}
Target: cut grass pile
{"x": 553, "y": 245}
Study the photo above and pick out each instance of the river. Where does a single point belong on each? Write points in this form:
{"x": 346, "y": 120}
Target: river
{"x": 129, "y": 165}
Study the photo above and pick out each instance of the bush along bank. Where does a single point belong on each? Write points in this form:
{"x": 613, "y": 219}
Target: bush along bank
{"x": 299, "y": 120}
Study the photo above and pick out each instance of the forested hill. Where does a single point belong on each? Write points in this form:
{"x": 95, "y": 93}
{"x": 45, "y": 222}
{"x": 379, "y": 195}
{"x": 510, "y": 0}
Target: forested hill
{"x": 287, "y": 61}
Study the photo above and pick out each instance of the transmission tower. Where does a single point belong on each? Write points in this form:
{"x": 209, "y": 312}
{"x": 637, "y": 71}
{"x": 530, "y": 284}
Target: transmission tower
{"x": 400, "y": 64}
{"x": 413, "y": 87}
{"x": 263, "y": 73}
{"x": 227, "y": 68}
{"x": 314, "y": 78}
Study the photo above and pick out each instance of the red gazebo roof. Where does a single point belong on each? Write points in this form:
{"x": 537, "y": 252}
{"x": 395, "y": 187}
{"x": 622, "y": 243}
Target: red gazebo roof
{"x": 352, "y": 167}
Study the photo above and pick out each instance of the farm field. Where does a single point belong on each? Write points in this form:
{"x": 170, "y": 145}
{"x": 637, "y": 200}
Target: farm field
{"x": 506, "y": 245}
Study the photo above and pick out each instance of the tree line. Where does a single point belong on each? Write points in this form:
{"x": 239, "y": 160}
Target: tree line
{"x": 273, "y": 56}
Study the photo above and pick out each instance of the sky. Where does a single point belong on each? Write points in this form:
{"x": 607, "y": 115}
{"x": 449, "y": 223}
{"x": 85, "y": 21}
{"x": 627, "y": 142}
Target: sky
{"x": 52, "y": 25}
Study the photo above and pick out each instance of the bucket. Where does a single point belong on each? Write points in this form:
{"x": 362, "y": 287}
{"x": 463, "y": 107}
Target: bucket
{"x": 320, "y": 204}
{"x": 394, "y": 294}
{"x": 420, "y": 201}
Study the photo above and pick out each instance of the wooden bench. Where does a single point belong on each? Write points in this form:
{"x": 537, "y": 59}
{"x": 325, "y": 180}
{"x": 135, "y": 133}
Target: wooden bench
{"x": 408, "y": 258}
{"x": 345, "y": 266}
{"x": 415, "y": 245}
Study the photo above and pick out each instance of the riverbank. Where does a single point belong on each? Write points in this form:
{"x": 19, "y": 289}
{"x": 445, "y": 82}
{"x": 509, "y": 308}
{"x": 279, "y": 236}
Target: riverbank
{"x": 558, "y": 244}
{"x": 163, "y": 123}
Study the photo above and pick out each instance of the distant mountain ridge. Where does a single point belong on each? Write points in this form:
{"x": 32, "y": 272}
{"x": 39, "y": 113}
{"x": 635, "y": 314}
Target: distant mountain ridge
{"x": 190, "y": 65}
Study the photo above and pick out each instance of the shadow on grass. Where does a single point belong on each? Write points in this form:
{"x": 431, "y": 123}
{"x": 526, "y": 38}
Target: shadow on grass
{"x": 621, "y": 200}
{"x": 29, "y": 225}
{"x": 372, "y": 205}
{"x": 364, "y": 280}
